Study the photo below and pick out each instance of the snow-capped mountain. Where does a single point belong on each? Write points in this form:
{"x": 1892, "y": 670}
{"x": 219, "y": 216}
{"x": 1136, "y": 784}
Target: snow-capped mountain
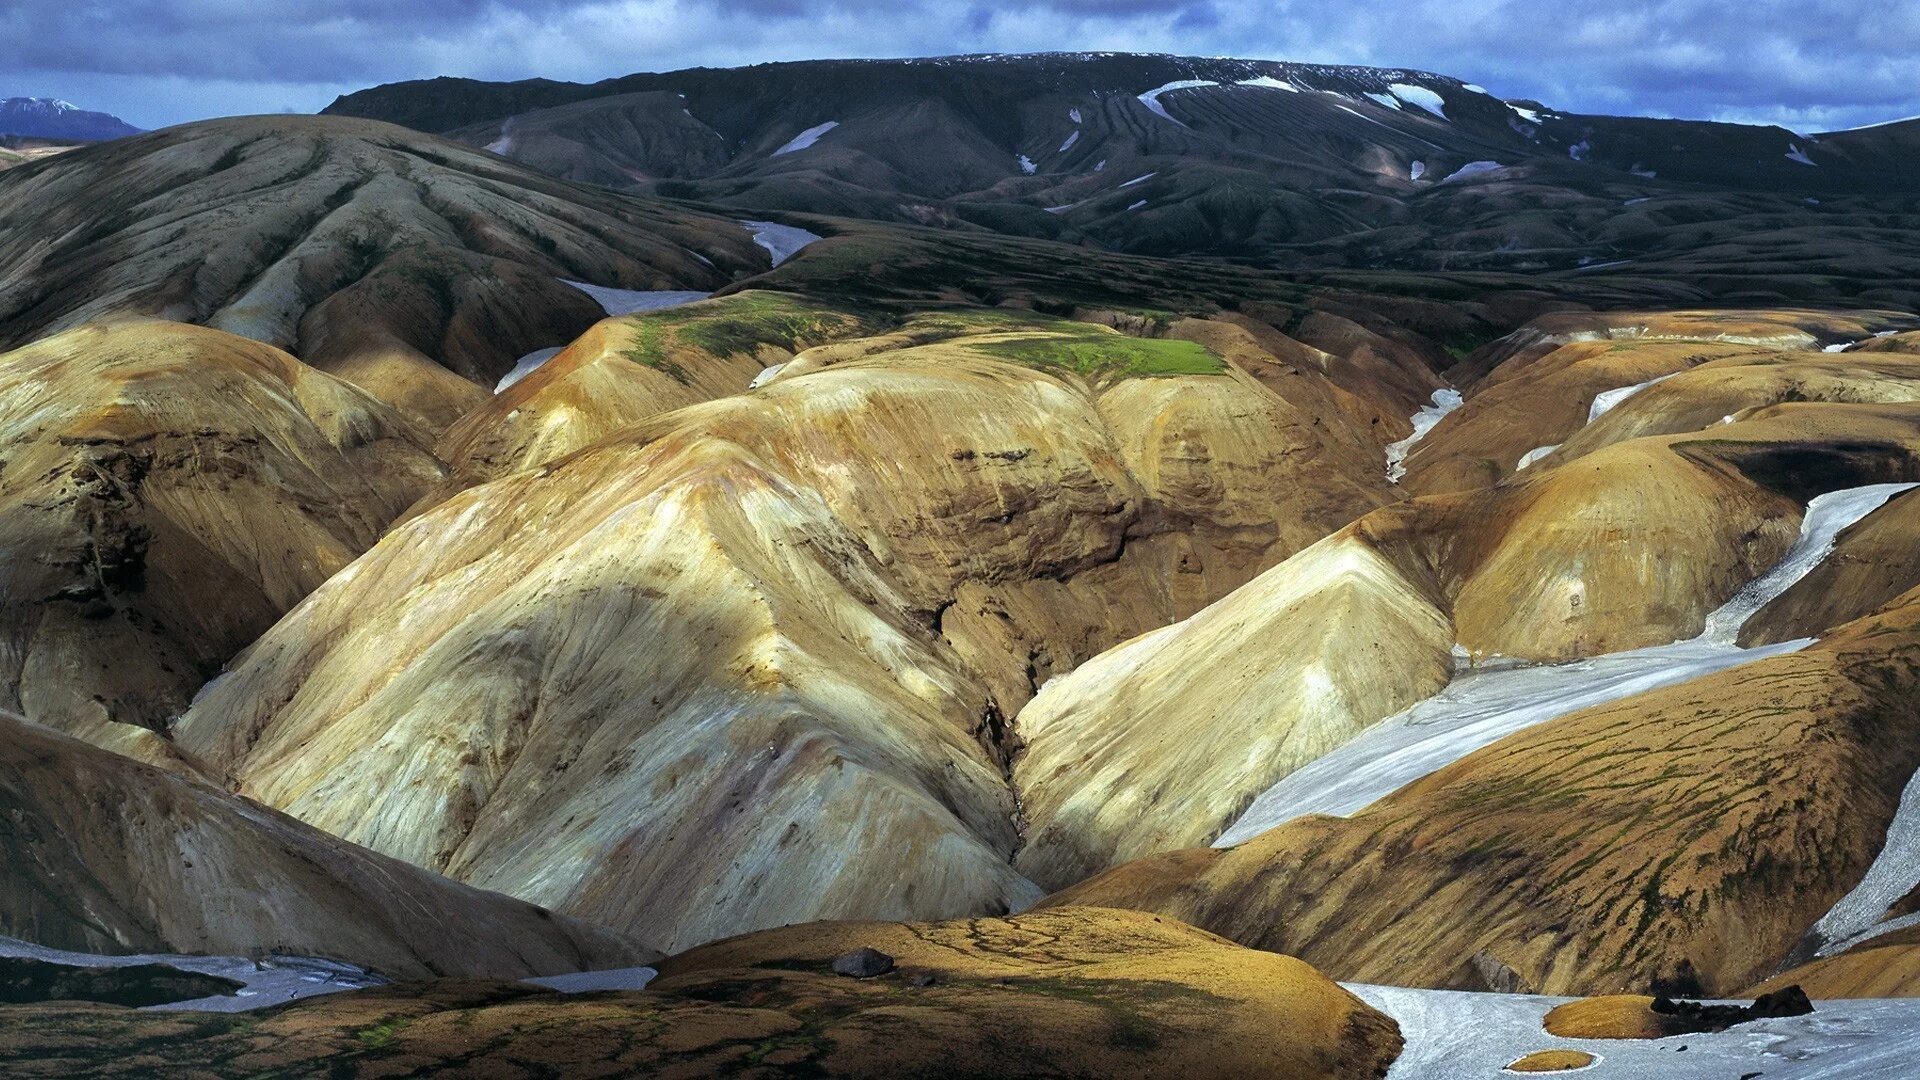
{"x": 52, "y": 118}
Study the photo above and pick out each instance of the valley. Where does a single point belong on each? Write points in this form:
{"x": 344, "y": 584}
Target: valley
{"x": 778, "y": 571}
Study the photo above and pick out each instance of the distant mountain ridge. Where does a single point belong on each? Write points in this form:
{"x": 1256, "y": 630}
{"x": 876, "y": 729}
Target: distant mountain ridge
{"x": 1302, "y": 165}
{"x": 52, "y": 118}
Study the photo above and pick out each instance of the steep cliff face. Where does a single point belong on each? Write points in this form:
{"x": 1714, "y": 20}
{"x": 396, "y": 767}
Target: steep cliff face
{"x": 168, "y": 492}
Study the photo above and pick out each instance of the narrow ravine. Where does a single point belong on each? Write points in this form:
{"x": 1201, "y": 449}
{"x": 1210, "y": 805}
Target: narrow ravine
{"x": 1481, "y": 707}
{"x": 1424, "y": 421}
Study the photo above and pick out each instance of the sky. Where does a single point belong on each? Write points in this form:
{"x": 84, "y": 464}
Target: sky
{"x": 1810, "y": 65}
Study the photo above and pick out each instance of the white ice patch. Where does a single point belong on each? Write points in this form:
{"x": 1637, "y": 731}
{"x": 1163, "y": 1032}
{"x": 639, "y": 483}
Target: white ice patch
{"x": 1388, "y": 100}
{"x": 1073, "y": 115}
{"x": 1638, "y": 201}
{"x": 1454, "y": 1034}
{"x": 1607, "y": 401}
{"x": 274, "y": 980}
{"x": 1068, "y": 145}
{"x": 1417, "y": 170}
{"x": 1268, "y": 82}
{"x": 1141, "y": 179}
{"x": 586, "y": 982}
{"x": 1479, "y": 708}
{"x": 1421, "y": 96}
{"x": 1100, "y": 166}
{"x": 627, "y": 301}
{"x": 806, "y": 138}
{"x": 1445, "y": 400}
{"x": 1061, "y": 209}
{"x": 782, "y": 242}
{"x": 1534, "y": 455}
{"x": 766, "y": 376}
{"x": 522, "y": 368}
{"x": 1473, "y": 168}
{"x": 1026, "y": 165}
{"x": 1794, "y": 153}
{"x": 1151, "y": 99}
{"x": 1137, "y": 205}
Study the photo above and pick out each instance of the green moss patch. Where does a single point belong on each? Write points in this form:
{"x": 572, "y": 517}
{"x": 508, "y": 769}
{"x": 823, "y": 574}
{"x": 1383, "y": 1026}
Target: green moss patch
{"x": 1109, "y": 356}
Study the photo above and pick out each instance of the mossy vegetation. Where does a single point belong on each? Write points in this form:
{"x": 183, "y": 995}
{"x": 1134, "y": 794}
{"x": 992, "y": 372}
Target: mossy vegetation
{"x": 1099, "y": 354}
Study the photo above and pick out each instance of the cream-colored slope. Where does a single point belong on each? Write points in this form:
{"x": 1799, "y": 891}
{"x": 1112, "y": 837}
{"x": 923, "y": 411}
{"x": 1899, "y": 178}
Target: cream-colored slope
{"x": 661, "y": 688}
{"x": 746, "y": 662}
{"x": 1689, "y": 835}
{"x": 108, "y": 855}
{"x": 627, "y": 369}
{"x": 169, "y": 492}
{"x": 1160, "y": 742}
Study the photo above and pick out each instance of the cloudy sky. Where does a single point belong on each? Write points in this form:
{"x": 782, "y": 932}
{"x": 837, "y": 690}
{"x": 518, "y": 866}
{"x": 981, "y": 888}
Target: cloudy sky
{"x": 1808, "y": 64}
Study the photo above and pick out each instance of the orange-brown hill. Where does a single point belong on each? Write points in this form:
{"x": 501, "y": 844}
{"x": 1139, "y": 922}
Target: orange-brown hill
{"x": 1687, "y": 837}
{"x": 1076, "y": 992}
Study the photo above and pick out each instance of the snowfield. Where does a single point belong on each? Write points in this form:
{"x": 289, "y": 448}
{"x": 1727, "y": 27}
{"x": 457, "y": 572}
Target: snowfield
{"x": 806, "y": 138}
{"x": 1454, "y": 1035}
{"x": 1444, "y": 402}
{"x": 1151, "y": 99}
{"x": 274, "y": 980}
{"x": 1422, "y": 97}
{"x": 782, "y": 242}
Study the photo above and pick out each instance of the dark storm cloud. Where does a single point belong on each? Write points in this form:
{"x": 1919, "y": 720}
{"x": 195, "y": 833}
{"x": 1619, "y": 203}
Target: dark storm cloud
{"x": 1810, "y": 64}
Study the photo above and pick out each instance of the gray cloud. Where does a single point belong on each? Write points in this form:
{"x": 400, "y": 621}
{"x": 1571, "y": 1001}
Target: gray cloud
{"x": 1805, "y": 63}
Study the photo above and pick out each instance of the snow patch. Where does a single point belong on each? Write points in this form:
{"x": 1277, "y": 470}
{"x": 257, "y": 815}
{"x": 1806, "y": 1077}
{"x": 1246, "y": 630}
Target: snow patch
{"x": 1417, "y": 170}
{"x": 274, "y": 980}
{"x": 628, "y": 301}
{"x": 1579, "y": 151}
{"x": 806, "y": 138}
{"x": 1422, "y": 97}
{"x": 1473, "y": 168}
{"x": 586, "y": 982}
{"x": 782, "y": 242}
{"x": 1534, "y": 455}
{"x": 1151, "y": 99}
{"x": 1068, "y": 145}
{"x": 1268, "y": 82}
{"x": 1073, "y": 115}
{"x": 1141, "y": 179}
{"x": 1445, "y": 400}
{"x": 1388, "y": 100}
{"x": 1794, "y": 153}
{"x": 1100, "y": 166}
{"x": 526, "y": 366}
{"x": 1529, "y": 115}
{"x": 1137, "y": 205}
{"x": 766, "y": 376}
{"x": 1026, "y": 164}
{"x": 1607, "y": 401}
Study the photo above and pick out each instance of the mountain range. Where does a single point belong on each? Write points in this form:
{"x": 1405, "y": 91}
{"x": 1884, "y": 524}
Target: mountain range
{"x": 1289, "y": 165}
{"x": 706, "y": 574}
